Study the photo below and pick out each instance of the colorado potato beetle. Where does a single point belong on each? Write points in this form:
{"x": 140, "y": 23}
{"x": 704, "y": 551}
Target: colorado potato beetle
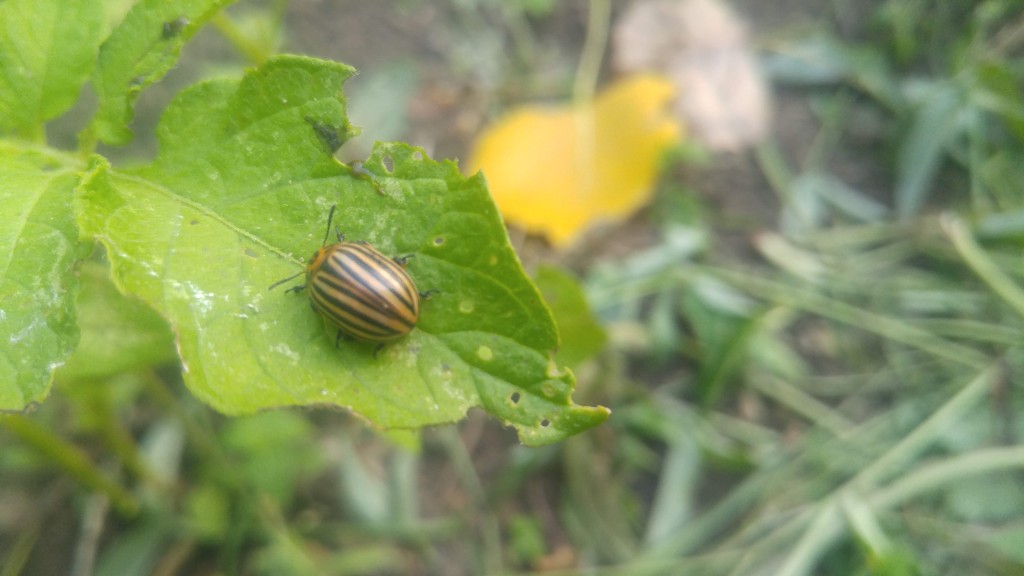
{"x": 365, "y": 294}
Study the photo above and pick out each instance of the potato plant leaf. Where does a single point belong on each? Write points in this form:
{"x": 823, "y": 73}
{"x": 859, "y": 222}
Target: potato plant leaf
{"x": 240, "y": 193}
{"x": 118, "y": 333}
{"x": 937, "y": 121}
{"x": 582, "y": 333}
{"x": 47, "y": 50}
{"x": 140, "y": 51}
{"x": 38, "y": 249}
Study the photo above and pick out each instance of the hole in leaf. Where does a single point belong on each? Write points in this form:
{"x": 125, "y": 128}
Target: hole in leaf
{"x": 193, "y": 223}
{"x": 418, "y": 156}
{"x": 388, "y": 163}
{"x": 514, "y": 398}
{"x": 439, "y": 241}
{"x": 545, "y": 423}
{"x": 251, "y": 253}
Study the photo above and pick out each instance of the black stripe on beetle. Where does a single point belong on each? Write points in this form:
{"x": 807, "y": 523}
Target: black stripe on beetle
{"x": 365, "y": 266}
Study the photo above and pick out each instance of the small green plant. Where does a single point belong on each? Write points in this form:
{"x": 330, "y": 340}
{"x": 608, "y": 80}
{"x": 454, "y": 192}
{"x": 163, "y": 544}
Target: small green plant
{"x": 235, "y": 198}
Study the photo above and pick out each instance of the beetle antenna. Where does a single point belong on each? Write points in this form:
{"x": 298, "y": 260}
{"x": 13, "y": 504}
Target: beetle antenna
{"x": 330, "y": 217}
{"x": 279, "y": 282}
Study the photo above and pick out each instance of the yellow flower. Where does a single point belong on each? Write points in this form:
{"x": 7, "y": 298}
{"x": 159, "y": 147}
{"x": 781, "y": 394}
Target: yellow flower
{"x": 556, "y": 170}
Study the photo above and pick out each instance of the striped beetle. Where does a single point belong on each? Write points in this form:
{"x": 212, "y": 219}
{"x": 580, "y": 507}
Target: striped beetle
{"x": 365, "y": 294}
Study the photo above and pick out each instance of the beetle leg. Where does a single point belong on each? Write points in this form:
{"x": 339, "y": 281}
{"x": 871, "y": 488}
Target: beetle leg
{"x": 342, "y": 335}
{"x": 295, "y": 289}
{"x": 432, "y": 292}
{"x": 403, "y": 260}
{"x": 292, "y": 277}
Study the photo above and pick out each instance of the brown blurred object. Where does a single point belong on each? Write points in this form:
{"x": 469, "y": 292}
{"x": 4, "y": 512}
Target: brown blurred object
{"x": 703, "y": 48}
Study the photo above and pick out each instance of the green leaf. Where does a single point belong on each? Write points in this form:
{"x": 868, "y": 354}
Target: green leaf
{"x": 275, "y": 451}
{"x": 582, "y": 335}
{"x": 995, "y": 497}
{"x": 936, "y": 122}
{"x": 725, "y": 322}
{"x": 136, "y": 550}
{"x": 998, "y": 89}
{"x": 243, "y": 184}
{"x": 47, "y": 50}
{"x": 822, "y": 59}
{"x": 1009, "y": 541}
{"x": 207, "y": 513}
{"x": 38, "y": 249}
{"x": 139, "y": 52}
{"x": 118, "y": 333}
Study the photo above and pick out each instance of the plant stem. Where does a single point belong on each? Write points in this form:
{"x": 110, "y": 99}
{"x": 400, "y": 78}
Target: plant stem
{"x": 803, "y": 404}
{"x": 593, "y": 50}
{"x": 938, "y": 474}
{"x": 884, "y": 326}
{"x": 490, "y": 531}
{"x": 227, "y": 27}
{"x": 71, "y": 460}
{"x": 982, "y": 265}
{"x": 925, "y": 434}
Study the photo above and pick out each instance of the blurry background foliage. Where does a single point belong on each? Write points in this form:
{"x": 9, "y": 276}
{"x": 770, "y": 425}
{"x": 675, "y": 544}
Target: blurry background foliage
{"x": 809, "y": 335}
